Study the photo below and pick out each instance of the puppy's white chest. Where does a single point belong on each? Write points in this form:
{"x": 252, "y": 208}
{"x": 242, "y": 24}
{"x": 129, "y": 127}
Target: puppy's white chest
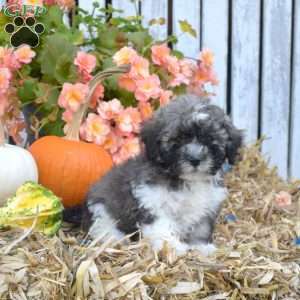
{"x": 185, "y": 206}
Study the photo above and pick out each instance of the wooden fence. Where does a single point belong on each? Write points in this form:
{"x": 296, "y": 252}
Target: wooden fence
{"x": 257, "y": 57}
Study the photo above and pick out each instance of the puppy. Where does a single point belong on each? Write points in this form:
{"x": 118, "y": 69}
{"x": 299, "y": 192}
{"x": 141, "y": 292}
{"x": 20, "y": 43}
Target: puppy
{"x": 169, "y": 191}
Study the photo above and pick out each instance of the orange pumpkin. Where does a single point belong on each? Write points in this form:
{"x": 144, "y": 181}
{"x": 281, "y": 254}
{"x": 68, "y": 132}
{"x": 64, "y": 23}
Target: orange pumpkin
{"x": 68, "y": 166}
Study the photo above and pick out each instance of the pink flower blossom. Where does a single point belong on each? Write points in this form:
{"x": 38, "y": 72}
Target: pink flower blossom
{"x": 73, "y": 95}
{"x": 126, "y": 82}
{"x": 139, "y": 67}
{"x": 124, "y": 56}
{"x": 8, "y": 59}
{"x": 130, "y": 148}
{"x": 95, "y": 129}
{"x": 85, "y": 61}
{"x": 187, "y": 67}
{"x": 5, "y": 77}
{"x": 206, "y": 57}
{"x": 172, "y": 65}
{"x": 178, "y": 80}
{"x": 160, "y": 54}
{"x": 3, "y": 104}
{"x": 148, "y": 88}
{"x": 146, "y": 110}
{"x": 112, "y": 142}
{"x": 67, "y": 116}
{"x": 283, "y": 199}
{"x": 109, "y": 110}
{"x": 24, "y": 54}
{"x": 165, "y": 97}
{"x": 128, "y": 121}
{"x": 97, "y": 95}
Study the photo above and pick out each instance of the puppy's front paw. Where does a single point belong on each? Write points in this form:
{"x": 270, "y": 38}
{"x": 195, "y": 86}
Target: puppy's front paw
{"x": 205, "y": 249}
{"x": 179, "y": 247}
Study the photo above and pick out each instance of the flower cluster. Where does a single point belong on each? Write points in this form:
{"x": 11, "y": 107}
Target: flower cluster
{"x": 10, "y": 62}
{"x": 109, "y": 124}
{"x": 64, "y": 4}
{"x": 116, "y": 127}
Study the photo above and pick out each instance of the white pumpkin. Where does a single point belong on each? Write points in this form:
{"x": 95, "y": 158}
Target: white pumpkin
{"x": 16, "y": 167}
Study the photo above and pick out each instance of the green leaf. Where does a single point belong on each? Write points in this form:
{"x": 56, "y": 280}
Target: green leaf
{"x": 28, "y": 91}
{"x": 186, "y": 27}
{"x": 65, "y": 70}
{"x": 139, "y": 39}
{"x": 56, "y": 58}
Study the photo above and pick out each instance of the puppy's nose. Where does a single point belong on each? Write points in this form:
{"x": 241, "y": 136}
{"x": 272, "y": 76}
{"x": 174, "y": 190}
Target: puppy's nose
{"x": 194, "y": 162}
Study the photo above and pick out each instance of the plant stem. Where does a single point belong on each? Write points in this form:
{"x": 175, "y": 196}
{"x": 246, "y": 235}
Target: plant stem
{"x": 73, "y": 130}
{"x": 2, "y": 134}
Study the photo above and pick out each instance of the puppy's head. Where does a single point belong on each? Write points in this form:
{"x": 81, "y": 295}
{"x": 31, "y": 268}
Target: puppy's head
{"x": 190, "y": 136}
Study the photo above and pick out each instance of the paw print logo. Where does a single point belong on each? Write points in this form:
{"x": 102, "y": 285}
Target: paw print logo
{"x": 24, "y": 31}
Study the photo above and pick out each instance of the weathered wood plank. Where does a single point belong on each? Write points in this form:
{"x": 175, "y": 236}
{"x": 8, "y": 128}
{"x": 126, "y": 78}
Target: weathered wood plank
{"x": 215, "y": 37}
{"x": 295, "y": 121}
{"x": 187, "y": 10}
{"x": 153, "y": 10}
{"x": 276, "y": 81}
{"x": 129, "y": 8}
{"x": 245, "y": 66}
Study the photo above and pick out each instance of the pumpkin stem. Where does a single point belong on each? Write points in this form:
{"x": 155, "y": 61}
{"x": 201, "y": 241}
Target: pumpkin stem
{"x": 2, "y": 134}
{"x": 73, "y": 130}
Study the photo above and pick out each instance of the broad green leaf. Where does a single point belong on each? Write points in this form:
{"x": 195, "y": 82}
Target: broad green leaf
{"x": 57, "y": 53}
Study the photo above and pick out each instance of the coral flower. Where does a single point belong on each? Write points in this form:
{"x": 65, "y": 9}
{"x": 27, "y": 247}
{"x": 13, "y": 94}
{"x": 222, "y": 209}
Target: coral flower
{"x": 97, "y": 95}
{"x": 24, "y": 54}
{"x": 85, "y": 62}
{"x": 148, "y": 88}
{"x": 206, "y": 57}
{"x": 109, "y": 110}
{"x": 5, "y": 76}
{"x": 139, "y": 67}
{"x": 172, "y": 65}
{"x": 3, "y": 104}
{"x": 129, "y": 121}
{"x": 8, "y": 59}
{"x": 73, "y": 95}
{"x": 165, "y": 97}
{"x": 33, "y": 2}
{"x": 187, "y": 68}
{"x": 95, "y": 129}
{"x": 283, "y": 199}
{"x": 160, "y": 54}
{"x": 67, "y": 116}
{"x": 130, "y": 148}
{"x": 145, "y": 109}
{"x": 124, "y": 56}
{"x": 112, "y": 142}
{"x": 126, "y": 82}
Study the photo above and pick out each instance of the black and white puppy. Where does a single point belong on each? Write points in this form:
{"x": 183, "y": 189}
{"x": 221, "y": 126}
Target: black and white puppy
{"x": 168, "y": 192}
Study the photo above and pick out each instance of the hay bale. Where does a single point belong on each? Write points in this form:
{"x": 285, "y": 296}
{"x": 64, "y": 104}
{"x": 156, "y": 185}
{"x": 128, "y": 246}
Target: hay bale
{"x": 257, "y": 258}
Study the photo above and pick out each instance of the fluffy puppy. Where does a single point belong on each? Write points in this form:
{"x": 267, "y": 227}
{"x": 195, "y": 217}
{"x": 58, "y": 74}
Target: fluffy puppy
{"x": 169, "y": 191}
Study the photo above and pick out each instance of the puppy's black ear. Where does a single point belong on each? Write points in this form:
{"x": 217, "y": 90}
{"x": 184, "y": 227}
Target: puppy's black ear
{"x": 234, "y": 142}
{"x": 151, "y": 138}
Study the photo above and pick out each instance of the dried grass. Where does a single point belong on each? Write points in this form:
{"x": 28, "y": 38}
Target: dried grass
{"x": 257, "y": 256}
